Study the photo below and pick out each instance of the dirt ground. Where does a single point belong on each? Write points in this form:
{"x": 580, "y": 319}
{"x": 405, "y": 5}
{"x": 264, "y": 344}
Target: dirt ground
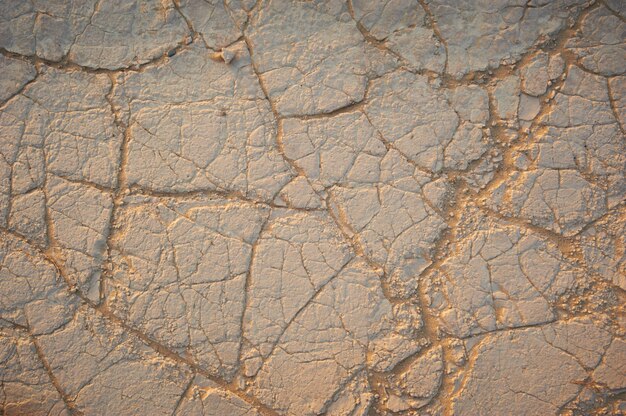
{"x": 326, "y": 207}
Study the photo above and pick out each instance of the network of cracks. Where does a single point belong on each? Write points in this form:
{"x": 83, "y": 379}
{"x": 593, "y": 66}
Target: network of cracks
{"x": 312, "y": 207}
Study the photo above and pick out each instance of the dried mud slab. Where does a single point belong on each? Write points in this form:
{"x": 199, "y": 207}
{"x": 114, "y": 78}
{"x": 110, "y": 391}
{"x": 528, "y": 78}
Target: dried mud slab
{"x": 59, "y": 345}
{"x": 558, "y": 360}
{"x": 179, "y": 271}
{"x": 299, "y": 63}
{"x": 499, "y": 277}
{"x": 61, "y": 149}
{"x": 108, "y": 34}
{"x": 601, "y": 45}
{"x": 212, "y": 128}
{"x": 483, "y": 34}
{"x": 299, "y": 208}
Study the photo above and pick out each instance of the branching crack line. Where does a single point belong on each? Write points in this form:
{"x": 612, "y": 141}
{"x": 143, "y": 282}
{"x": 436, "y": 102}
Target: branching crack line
{"x": 440, "y": 242}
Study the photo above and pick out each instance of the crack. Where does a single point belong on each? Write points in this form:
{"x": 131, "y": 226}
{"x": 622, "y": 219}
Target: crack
{"x": 248, "y": 281}
{"x": 462, "y": 195}
{"x": 82, "y": 182}
{"x": 184, "y": 394}
{"x": 378, "y": 44}
{"x": 66, "y": 65}
{"x": 503, "y": 172}
{"x": 566, "y": 245}
{"x": 278, "y": 120}
{"x": 19, "y": 92}
{"x": 233, "y": 196}
{"x": 436, "y": 31}
{"x": 349, "y": 108}
{"x": 303, "y": 308}
{"x": 69, "y": 403}
{"x": 153, "y": 344}
{"x": 194, "y": 33}
{"x": 96, "y": 8}
{"x": 615, "y": 12}
{"x": 121, "y": 184}
{"x": 614, "y": 107}
{"x": 166, "y": 352}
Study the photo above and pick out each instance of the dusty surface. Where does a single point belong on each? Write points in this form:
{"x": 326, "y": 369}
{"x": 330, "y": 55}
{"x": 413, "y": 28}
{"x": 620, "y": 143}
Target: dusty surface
{"x": 312, "y": 207}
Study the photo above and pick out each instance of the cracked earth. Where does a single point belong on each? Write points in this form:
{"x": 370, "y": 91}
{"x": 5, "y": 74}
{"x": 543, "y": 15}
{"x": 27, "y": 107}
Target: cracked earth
{"x": 312, "y": 207}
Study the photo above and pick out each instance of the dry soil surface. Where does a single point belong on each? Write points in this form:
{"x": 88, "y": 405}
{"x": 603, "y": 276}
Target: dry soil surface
{"x": 410, "y": 207}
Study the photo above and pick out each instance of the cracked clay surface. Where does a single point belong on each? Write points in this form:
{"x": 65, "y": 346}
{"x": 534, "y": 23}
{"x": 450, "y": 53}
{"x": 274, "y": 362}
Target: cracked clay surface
{"x": 326, "y": 207}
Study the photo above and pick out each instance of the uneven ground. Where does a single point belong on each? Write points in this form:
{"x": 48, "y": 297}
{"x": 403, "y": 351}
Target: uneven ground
{"x": 312, "y": 207}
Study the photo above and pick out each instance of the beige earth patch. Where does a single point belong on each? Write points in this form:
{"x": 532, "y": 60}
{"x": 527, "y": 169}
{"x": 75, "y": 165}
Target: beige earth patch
{"x": 326, "y": 207}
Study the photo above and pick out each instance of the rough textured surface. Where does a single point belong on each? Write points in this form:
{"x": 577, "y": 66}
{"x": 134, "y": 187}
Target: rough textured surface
{"x": 285, "y": 207}
{"x": 108, "y": 34}
{"x": 483, "y": 34}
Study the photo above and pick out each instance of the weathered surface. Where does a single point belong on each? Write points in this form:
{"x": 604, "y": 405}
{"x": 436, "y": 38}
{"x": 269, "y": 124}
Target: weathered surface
{"x": 108, "y": 34}
{"x": 413, "y": 116}
{"x": 102, "y": 369}
{"x": 326, "y": 344}
{"x": 60, "y": 148}
{"x": 316, "y": 64}
{"x": 17, "y": 74}
{"x": 416, "y": 387}
{"x": 179, "y": 274}
{"x": 206, "y": 398}
{"x": 499, "y": 277}
{"x": 405, "y": 30}
{"x": 26, "y": 386}
{"x": 601, "y": 44}
{"x": 95, "y": 365}
{"x": 604, "y": 247}
{"x": 211, "y": 127}
{"x": 289, "y": 207}
{"x": 577, "y": 161}
{"x": 369, "y": 187}
{"x": 484, "y": 34}
{"x": 537, "y": 383}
